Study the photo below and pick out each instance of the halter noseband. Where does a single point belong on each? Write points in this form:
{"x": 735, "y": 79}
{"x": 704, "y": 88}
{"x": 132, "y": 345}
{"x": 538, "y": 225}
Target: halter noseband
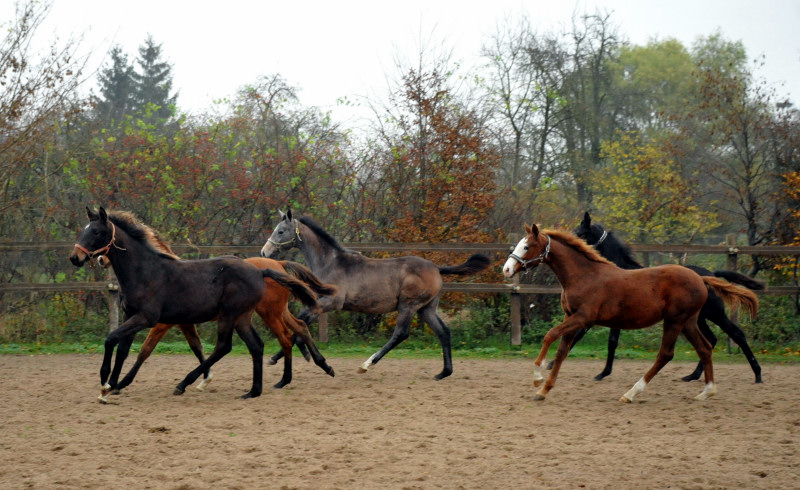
{"x": 103, "y": 250}
{"x": 540, "y": 258}
{"x": 296, "y": 238}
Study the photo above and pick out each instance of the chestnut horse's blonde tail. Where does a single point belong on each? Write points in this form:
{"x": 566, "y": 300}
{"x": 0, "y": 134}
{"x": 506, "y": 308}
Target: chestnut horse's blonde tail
{"x": 304, "y": 274}
{"x": 734, "y": 296}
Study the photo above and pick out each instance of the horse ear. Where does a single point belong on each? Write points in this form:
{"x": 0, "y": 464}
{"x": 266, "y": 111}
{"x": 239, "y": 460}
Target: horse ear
{"x": 103, "y": 215}
{"x": 535, "y": 231}
{"x": 281, "y": 214}
{"x": 587, "y": 220}
{"x": 289, "y": 214}
{"x": 528, "y": 230}
{"x": 91, "y": 214}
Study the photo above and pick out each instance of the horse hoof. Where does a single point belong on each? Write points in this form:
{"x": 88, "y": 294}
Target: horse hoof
{"x": 538, "y": 382}
{"x": 691, "y": 377}
{"x": 442, "y": 375}
{"x": 277, "y": 386}
{"x": 250, "y": 395}
{"x": 271, "y": 362}
{"x": 600, "y": 376}
{"x": 103, "y": 398}
{"x": 538, "y": 397}
{"x": 625, "y": 399}
{"x": 178, "y": 391}
{"x": 307, "y": 357}
{"x": 362, "y": 370}
{"x": 330, "y": 373}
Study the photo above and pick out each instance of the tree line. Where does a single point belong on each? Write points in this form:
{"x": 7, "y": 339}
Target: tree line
{"x": 664, "y": 143}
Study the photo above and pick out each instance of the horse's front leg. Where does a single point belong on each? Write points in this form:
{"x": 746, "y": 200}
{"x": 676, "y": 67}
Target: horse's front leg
{"x": 563, "y": 350}
{"x": 153, "y": 338}
{"x": 401, "y": 332}
{"x": 125, "y": 331}
{"x": 568, "y": 327}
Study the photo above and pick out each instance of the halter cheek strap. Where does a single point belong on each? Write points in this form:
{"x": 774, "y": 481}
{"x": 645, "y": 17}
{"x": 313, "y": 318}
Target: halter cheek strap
{"x": 525, "y": 263}
{"x": 296, "y": 237}
{"x": 104, "y": 250}
{"x": 602, "y": 239}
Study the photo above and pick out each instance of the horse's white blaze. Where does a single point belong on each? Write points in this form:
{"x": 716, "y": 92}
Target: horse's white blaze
{"x": 519, "y": 251}
{"x": 709, "y": 390}
{"x": 204, "y": 383}
{"x": 637, "y": 388}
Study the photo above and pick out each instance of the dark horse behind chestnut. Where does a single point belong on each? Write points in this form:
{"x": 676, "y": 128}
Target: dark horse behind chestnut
{"x": 409, "y": 285}
{"x": 158, "y": 287}
{"x": 597, "y": 292}
{"x": 713, "y": 310}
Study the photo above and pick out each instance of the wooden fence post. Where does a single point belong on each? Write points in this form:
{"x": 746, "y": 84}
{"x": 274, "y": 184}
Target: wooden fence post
{"x": 113, "y": 306}
{"x": 733, "y": 260}
{"x": 516, "y": 313}
{"x": 322, "y": 323}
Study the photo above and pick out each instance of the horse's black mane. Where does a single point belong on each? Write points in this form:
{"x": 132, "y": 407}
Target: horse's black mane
{"x": 324, "y": 235}
{"x": 622, "y": 251}
{"x": 140, "y": 232}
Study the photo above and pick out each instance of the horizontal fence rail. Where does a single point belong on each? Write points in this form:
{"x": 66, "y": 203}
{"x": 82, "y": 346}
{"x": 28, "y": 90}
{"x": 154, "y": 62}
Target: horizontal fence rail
{"x": 515, "y": 289}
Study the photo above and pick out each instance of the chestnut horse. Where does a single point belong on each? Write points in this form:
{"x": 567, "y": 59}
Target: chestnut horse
{"x": 158, "y": 287}
{"x": 597, "y": 292}
{"x": 273, "y": 310}
{"x": 409, "y": 285}
{"x": 713, "y": 310}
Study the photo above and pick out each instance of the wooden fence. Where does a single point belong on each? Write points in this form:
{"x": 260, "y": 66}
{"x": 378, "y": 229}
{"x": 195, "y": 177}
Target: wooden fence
{"x": 494, "y": 250}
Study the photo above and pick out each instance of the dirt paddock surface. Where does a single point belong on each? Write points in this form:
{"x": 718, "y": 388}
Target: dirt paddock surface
{"x": 395, "y": 427}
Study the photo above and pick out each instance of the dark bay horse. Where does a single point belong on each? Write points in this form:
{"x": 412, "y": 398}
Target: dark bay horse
{"x": 597, "y": 292}
{"x": 158, "y": 287}
{"x": 409, "y": 285}
{"x": 713, "y": 310}
{"x": 273, "y": 310}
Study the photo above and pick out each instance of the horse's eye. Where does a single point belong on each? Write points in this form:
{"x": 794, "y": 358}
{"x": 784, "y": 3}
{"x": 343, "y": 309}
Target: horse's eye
{"x": 96, "y": 232}
{"x": 280, "y": 232}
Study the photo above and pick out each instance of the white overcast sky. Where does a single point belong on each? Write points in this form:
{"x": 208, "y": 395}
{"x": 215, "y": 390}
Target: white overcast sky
{"x": 330, "y": 49}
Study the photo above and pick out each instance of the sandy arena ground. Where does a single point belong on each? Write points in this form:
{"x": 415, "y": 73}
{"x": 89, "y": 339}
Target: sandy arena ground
{"x": 395, "y": 427}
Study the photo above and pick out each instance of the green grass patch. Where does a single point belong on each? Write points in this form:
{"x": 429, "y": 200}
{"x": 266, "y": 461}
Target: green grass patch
{"x": 592, "y": 347}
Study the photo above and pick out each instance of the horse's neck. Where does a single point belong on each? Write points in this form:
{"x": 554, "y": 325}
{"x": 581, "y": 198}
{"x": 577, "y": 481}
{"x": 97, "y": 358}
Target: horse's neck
{"x": 127, "y": 259}
{"x": 570, "y": 265}
{"x": 318, "y": 255}
{"x": 615, "y": 252}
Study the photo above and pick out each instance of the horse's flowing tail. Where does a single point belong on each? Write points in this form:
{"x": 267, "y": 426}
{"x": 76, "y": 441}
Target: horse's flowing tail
{"x": 742, "y": 279}
{"x": 298, "y": 288}
{"x": 734, "y": 296}
{"x": 304, "y": 274}
{"x": 473, "y": 265}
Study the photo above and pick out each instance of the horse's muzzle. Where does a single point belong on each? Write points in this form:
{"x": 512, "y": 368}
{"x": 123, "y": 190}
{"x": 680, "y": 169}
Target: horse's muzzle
{"x": 78, "y": 258}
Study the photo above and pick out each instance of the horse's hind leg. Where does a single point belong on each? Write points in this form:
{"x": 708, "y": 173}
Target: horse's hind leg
{"x": 665, "y": 354}
{"x": 300, "y": 329}
{"x": 613, "y": 342}
{"x": 703, "y": 348}
{"x": 193, "y": 339}
{"x": 429, "y": 315}
{"x": 221, "y": 348}
{"x": 737, "y": 335}
{"x": 709, "y": 335}
{"x": 306, "y": 316}
{"x": 256, "y": 348}
{"x": 153, "y": 338}
{"x": 278, "y": 328}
